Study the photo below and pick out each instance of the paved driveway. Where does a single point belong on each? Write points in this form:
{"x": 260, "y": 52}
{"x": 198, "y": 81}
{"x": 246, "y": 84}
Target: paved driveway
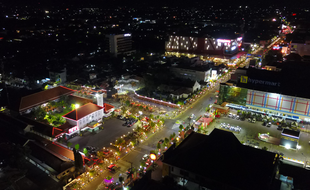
{"x": 113, "y": 129}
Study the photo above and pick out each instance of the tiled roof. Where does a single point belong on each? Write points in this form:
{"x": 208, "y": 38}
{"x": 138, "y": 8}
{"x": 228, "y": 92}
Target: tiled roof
{"x": 39, "y": 98}
{"x": 82, "y": 111}
{"x": 107, "y": 107}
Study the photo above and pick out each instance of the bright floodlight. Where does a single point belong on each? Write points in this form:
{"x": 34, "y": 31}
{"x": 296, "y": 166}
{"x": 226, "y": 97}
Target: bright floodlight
{"x": 287, "y": 146}
{"x": 298, "y": 147}
{"x": 77, "y": 106}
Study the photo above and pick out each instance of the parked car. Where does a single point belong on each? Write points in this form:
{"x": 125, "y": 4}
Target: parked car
{"x": 269, "y": 124}
{"x": 249, "y": 119}
{"x": 264, "y": 123}
{"x": 112, "y": 168}
{"x": 279, "y": 128}
{"x": 253, "y": 120}
{"x": 145, "y": 157}
{"x": 230, "y": 115}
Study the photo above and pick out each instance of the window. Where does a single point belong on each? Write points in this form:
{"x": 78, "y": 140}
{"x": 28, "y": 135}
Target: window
{"x": 184, "y": 173}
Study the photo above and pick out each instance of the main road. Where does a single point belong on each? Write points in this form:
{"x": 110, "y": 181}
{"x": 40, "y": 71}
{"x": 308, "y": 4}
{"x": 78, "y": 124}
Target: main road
{"x": 133, "y": 158}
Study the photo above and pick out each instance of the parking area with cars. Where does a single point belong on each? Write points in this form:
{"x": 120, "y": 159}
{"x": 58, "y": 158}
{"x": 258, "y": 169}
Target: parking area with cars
{"x": 229, "y": 127}
{"x": 113, "y": 129}
{"x": 250, "y": 130}
{"x": 127, "y": 121}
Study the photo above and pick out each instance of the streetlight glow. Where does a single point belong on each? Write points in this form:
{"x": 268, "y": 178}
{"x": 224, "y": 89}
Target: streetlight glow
{"x": 77, "y": 106}
{"x": 153, "y": 156}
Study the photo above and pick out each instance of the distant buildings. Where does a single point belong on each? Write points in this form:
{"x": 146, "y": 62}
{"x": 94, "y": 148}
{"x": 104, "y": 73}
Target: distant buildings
{"x": 219, "y": 161}
{"x": 120, "y": 44}
{"x": 204, "y": 46}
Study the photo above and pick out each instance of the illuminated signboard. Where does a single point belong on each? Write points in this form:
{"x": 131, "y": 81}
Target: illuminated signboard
{"x": 239, "y": 39}
{"x": 223, "y": 41}
{"x": 233, "y": 48}
{"x": 73, "y": 129}
{"x": 127, "y": 35}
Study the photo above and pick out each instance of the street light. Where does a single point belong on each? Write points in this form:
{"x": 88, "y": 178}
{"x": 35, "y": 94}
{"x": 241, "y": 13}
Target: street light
{"x": 153, "y": 156}
{"x": 77, "y": 106}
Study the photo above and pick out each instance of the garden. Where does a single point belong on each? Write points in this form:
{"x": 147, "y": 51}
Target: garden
{"x": 51, "y": 113}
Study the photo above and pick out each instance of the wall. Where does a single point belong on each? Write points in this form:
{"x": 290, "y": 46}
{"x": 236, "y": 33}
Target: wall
{"x": 282, "y": 103}
{"x": 301, "y": 49}
{"x": 95, "y": 116}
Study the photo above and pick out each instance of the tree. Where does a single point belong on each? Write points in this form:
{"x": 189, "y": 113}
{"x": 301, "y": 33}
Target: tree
{"x": 85, "y": 151}
{"x": 265, "y": 148}
{"x": 121, "y": 179}
{"x": 158, "y": 146}
{"x": 77, "y": 146}
{"x": 78, "y": 161}
{"x": 166, "y": 141}
{"x": 181, "y": 127}
{"x": 69, "y": 144}
{"x": 151, "y": 116}
{"x": 127, "y": 103}
{"x": 39, "y": 113}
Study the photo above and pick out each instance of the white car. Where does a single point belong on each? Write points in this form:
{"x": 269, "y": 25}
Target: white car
{"x": 230, "y": 114}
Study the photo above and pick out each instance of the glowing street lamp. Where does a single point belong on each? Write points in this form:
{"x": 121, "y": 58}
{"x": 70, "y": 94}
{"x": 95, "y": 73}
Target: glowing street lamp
{"x": 153, "y": 156}
{"x": 77, "y": 106}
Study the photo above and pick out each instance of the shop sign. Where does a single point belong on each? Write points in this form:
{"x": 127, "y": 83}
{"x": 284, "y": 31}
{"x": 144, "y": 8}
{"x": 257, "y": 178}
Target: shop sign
{"x": 71, "y": 130}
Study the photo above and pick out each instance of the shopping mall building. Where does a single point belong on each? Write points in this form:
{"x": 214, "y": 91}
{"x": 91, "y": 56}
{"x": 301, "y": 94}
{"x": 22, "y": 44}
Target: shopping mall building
{"x": 283, "y": 93}
{"x": 223, "y": 50}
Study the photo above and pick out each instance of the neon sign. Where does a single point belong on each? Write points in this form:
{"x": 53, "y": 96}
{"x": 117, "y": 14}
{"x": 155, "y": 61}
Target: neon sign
{"x": 127, "y": 35}
{"x": 239, "y": 39}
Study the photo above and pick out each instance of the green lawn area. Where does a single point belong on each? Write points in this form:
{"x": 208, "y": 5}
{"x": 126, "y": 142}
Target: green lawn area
{"x": 65, "y": 111}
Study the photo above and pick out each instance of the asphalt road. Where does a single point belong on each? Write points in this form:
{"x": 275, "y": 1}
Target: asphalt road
{"x": 134, "y": 157}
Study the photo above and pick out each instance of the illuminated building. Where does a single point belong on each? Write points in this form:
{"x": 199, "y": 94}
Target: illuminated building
{"x": 275, "y": 93}
{"x": 120, "y": 44}
{"x": 87, "y": 113}
{"x": 190, "y": 45}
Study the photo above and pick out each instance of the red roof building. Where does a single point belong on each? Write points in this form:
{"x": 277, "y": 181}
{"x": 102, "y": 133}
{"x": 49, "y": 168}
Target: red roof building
{"x": 45, "y": 96}
{"x": 87, "y": 113}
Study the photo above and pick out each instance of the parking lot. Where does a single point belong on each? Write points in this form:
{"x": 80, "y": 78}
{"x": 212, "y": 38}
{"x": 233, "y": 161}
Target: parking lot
{"x": 249, "y": 131}
{"x": 113, "y": 129}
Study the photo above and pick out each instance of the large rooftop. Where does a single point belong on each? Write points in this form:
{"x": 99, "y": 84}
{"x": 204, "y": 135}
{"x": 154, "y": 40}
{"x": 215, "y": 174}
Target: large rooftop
{"x": 39, "y": 98}
{"x": 222, "y": 158}
{"x": 83, "y": 111}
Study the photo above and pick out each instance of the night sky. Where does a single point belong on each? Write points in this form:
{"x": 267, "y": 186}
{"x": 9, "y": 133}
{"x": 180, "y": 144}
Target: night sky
{"x": 103, "y": 3}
